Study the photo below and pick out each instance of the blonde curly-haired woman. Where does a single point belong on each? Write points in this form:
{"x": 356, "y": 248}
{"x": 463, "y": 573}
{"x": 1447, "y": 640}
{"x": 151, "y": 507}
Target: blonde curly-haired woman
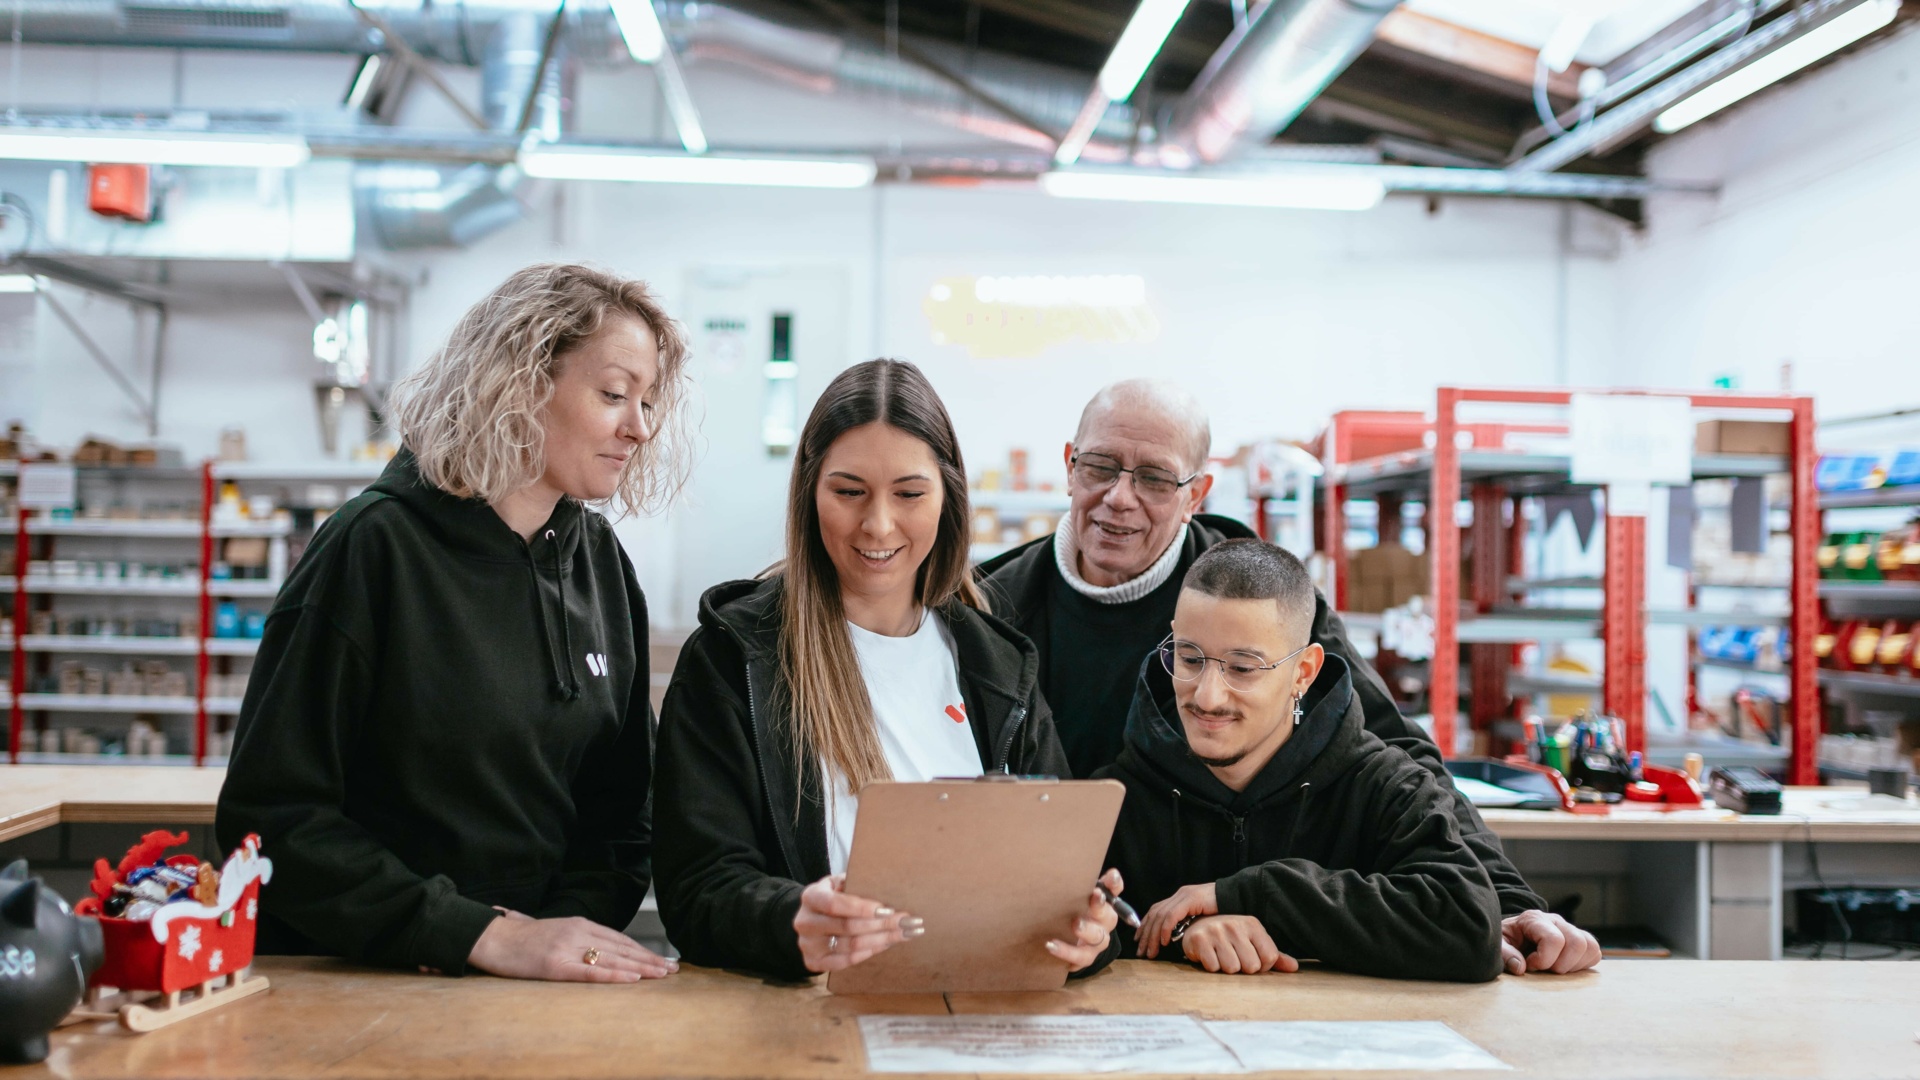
{"x": 445, "y": 740}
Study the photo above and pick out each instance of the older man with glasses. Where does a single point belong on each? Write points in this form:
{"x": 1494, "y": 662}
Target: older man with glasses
{"x": 1099, "y": 594}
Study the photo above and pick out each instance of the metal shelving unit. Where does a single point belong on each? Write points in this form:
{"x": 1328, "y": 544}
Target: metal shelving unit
{"x": 202, "y": 646}
{"x": 1444, "y": 460}
{"x": 1858, "y": 692}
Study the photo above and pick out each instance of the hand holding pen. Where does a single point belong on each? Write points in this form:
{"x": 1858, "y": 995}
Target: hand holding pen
{"x": 1093, "y": 929}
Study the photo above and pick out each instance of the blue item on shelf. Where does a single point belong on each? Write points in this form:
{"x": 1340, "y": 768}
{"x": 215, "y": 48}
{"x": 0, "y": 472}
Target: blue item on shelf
{"x": 226, "y": 620}
{"x": 256, "y": 624}
{"x": 1905, "y": 469}
{"x": 1743, "y": 645}
{"x": 1845, "y": 472}
{"x": 1713, "y": 642}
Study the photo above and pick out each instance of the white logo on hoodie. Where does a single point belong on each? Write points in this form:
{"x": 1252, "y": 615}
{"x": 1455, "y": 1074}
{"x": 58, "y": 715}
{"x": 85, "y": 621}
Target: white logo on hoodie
{"x": 597, "y": 663}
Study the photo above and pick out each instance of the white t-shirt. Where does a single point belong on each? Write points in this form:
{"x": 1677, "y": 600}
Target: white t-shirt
{"x": 914, "y": 684}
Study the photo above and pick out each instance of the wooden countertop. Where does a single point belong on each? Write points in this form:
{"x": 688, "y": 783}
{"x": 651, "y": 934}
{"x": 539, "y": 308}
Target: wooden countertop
{"x": 35, "y": 797}
{"x": 1642, "y": 1018}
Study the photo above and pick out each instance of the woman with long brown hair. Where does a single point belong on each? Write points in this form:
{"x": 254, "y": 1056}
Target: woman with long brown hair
{"x": 865, "y": 656}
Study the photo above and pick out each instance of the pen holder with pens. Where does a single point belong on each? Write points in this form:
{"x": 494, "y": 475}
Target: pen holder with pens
{"x": 1589, "y": 751}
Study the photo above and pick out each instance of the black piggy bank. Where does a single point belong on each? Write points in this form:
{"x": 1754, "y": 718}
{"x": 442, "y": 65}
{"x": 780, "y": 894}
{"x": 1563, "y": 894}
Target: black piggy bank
{"x": 46, "y": 954}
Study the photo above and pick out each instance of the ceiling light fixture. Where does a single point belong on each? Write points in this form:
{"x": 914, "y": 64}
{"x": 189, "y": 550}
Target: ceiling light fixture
{"x": 18, "y": 283}
{"x": 1139, "y": 43}
{"x": 153, "y": 148}
{"x": 640, "y": 27}
{"x": 1145, "y": 34}
{"x": 1827, "y": 38}
{"x": 623, "y": 164}
{"x": 1316, "y": 190}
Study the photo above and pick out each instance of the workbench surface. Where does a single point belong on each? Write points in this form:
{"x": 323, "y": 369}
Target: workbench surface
{"x": 34, "y": 797}
{"x": 1625, "y": 1019}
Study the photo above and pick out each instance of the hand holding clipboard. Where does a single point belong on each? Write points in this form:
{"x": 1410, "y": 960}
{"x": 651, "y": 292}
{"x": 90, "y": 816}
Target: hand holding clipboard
{"x": 838, "y": 930}
{"x": 967, "y": 885}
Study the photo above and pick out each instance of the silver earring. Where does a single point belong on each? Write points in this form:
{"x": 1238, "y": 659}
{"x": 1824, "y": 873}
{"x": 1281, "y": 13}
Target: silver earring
{"x": 1297, "y": 714}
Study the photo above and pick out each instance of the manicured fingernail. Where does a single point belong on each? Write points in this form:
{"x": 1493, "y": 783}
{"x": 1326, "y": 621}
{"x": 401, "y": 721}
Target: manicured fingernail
{"x": 918, "y": 931}
{"x": 912, "y": 922}
{"x": 1053, "y": 946}
{"x": 883, "y": 913}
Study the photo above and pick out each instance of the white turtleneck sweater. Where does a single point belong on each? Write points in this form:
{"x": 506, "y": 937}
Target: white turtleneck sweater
{"x": 1066, "y": 557}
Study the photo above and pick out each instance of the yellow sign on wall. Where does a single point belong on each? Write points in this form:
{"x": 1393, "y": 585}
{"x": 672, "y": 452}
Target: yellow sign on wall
{"x": 1023, "y": 316}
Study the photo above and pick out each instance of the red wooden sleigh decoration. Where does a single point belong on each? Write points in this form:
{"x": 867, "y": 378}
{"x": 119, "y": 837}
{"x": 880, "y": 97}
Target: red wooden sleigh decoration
{"x": 189, "y": 958}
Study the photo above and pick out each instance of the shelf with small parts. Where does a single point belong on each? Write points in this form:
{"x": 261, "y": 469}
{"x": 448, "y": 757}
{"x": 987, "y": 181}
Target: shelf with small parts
{"x": 128, "y": 593}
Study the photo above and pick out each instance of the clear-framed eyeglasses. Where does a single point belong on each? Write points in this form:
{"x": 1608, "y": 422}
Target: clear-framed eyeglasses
{"x": 1098, "y": 472}
{"x": 1242, "y": 670}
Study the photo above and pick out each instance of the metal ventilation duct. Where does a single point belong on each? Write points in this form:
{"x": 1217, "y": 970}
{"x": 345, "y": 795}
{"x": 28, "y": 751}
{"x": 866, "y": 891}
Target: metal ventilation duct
{"x": 1270, "y": 69}
{"x": 458, "y": 33}
{"x": 828, "y": 63}
{"x": 404, "y": 205}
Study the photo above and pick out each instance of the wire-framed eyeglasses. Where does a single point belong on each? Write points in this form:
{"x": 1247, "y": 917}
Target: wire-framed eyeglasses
{"x": 1098, "y": 472}
{"x": 1242, "y": 670}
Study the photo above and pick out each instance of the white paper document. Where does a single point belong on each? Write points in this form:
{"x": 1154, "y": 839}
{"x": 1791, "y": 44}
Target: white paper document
{"x": 1042, "y": 1044}
{"x": 1159, "y": 1044}
{"x": 1328, "y": 1045}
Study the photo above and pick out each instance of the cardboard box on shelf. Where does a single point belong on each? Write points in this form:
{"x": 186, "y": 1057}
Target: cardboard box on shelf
{"x": 1769, "y": 437}
{"x": 1383, "y": 577}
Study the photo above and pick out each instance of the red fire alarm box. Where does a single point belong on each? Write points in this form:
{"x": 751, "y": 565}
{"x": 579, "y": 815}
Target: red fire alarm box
{"x": 122, "y": 191}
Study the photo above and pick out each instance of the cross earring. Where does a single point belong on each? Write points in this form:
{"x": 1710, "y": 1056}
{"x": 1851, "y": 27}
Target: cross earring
{"x": 1297, "y": 714}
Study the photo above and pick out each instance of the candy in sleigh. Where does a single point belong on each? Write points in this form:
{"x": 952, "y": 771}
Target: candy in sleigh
{"x": 179, "y": 934}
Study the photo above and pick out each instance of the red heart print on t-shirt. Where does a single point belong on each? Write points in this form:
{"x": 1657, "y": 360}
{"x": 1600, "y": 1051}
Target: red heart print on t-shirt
{"x": 957, "y": 713}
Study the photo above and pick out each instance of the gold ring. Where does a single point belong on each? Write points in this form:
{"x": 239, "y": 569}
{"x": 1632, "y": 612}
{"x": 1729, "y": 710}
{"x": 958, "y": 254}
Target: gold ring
{"x": 591, "y": 958}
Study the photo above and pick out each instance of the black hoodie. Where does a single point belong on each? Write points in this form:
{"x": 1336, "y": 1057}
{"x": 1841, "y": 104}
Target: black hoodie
{"x": 1023, "y": 583}
{"x": 1344, "y": 848}
{"x": 443, "y": 717}
{"x": 736, "y": 841}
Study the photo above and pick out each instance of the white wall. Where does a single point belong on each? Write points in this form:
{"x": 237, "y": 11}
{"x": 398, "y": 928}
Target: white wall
{"x": 1805, "y": 257}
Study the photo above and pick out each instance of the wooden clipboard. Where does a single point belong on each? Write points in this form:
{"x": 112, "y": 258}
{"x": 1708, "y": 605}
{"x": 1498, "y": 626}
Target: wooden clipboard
{"x": 996, "y": 866}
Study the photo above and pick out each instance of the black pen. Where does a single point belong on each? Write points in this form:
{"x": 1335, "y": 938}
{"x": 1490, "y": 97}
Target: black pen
{"x": 1120, "y": 907}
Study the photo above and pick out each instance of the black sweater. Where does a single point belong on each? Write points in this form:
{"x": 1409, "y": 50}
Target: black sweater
{"x": 443, "y": 717}
{"x": 1344, "y": 848}
{"x": 737, "y": 839}
{"x": 1023, "y": 584}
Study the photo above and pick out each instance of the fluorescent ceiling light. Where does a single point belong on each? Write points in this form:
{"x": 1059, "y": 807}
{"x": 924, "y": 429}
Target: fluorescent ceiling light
{"x": 615, "y": 163}
{"x": 1829, "y": 37}
{"x": 1139, "y": 43}
{"x": 640, "y": 27}
{"x": 153, "y": 148}
{"x": 18, "y": 283}
{"x": 1319, "y": 190}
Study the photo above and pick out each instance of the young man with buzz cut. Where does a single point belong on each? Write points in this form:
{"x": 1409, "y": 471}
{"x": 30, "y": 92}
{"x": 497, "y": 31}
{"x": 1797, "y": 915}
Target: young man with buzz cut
{"x": 1263, "y": 823}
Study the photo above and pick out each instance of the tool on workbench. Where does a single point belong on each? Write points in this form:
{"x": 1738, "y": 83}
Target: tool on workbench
{"x": 1744, "y": 790}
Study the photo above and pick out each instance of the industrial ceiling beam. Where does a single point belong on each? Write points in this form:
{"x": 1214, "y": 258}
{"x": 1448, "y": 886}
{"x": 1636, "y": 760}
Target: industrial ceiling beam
{"x": 1507, "y": 61}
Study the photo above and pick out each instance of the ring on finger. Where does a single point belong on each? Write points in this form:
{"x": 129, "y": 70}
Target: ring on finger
{"x": 833, "y": 943}
{"x": 590, "y": 957}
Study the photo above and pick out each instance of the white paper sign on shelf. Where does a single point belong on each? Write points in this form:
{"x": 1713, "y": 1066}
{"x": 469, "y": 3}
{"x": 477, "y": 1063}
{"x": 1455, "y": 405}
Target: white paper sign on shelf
{"x": 1631, "y": 439}
{"x": 1042, "y": 1044}
{"x": 47, "y": 485}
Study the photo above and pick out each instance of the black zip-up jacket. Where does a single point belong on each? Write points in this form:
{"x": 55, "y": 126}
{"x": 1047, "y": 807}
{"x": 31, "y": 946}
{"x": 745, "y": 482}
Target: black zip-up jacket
{"x": 738, "y": 837}
{"x": 1344, "y": 848}
{"x": 443, "y": 717}
{"x": 1018, "y": 580}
